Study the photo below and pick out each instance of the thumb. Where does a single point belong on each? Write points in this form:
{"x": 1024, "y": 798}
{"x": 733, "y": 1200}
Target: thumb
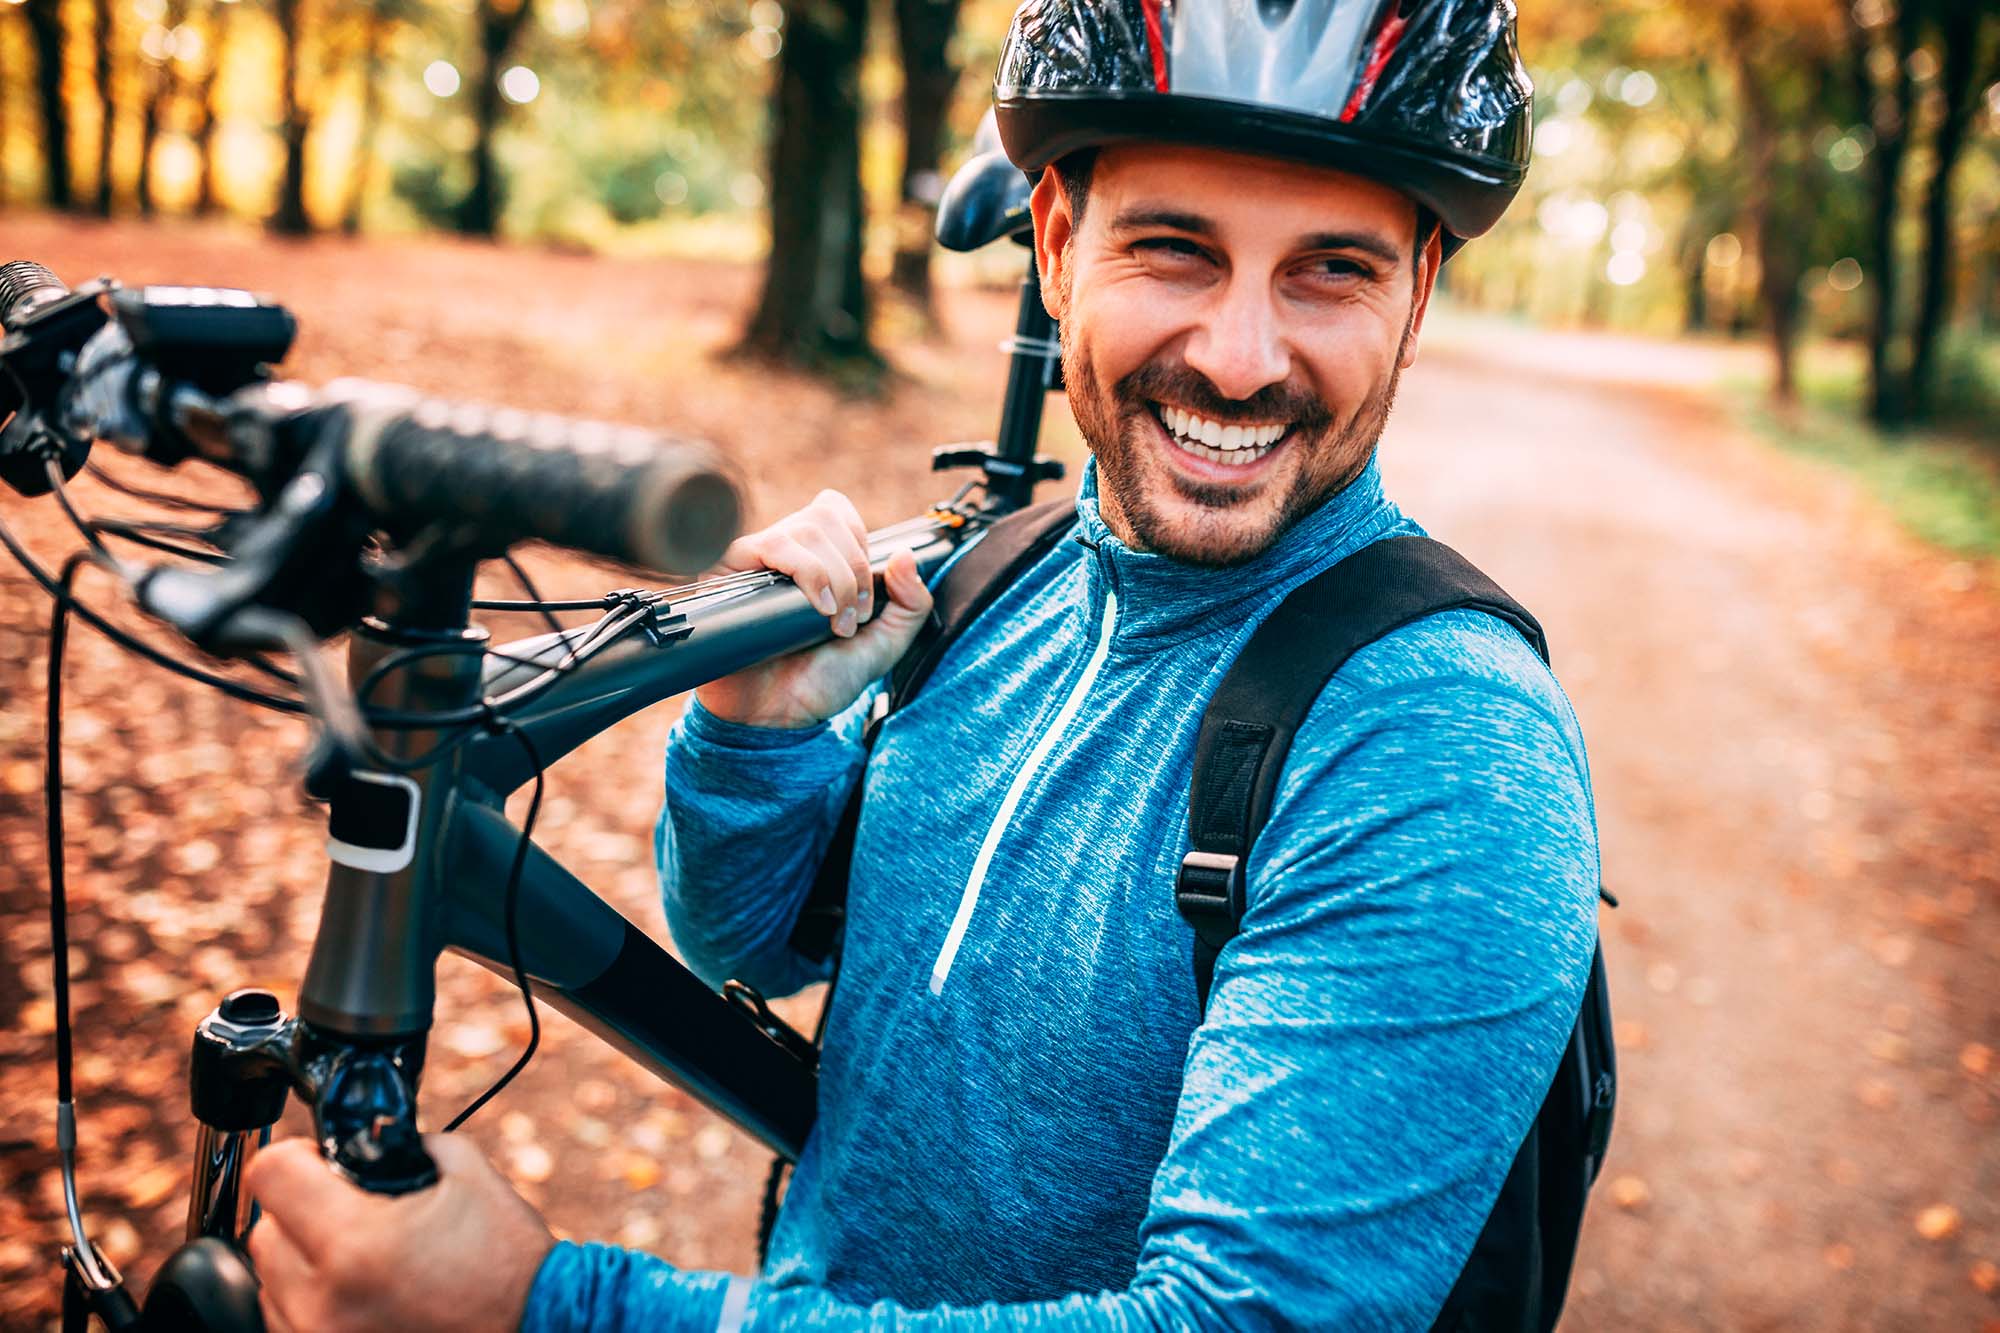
{"x": 909, "y": 598}
{"x": 906, "y": 607}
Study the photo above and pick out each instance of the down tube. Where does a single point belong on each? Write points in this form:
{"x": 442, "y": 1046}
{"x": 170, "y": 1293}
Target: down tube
{"x": 592, "y": 964}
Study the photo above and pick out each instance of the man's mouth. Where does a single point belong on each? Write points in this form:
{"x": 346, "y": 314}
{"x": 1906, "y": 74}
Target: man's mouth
{"x": 1223, "y": 444}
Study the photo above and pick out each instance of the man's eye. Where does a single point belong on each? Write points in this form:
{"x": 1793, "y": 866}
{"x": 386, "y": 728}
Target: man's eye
{"x": 1336, "y": 268}
{"x": 1169, "y": 247}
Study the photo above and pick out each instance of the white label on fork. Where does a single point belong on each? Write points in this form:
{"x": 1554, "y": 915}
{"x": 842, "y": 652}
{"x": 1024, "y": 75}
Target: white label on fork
{"x": 382, "y": 860}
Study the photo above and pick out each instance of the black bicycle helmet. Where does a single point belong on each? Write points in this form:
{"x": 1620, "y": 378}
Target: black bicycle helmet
{"x": 1426, "y": 96}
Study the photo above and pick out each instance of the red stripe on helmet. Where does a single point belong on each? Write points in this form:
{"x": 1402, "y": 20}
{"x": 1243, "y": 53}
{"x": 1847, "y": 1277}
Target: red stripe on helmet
{"x": 1156, "y": 42}
{"x": 1386, "y": 41}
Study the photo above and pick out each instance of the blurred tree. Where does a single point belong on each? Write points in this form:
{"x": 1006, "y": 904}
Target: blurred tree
{"x": 220, "y": 24}
{"x": 1959, "y": 33}
{"x": 221, "y": 17}
{"x": 1881, "y": 38}
{"x": 923, "y": 39}
{"x": 1783, "y": 62}
{"x": 294, "y": 122}
{"x": 163, "y": 85}
{"x": 499, "y": 24}
{"x": 102, "y": 31}
{"x": 813, "y": 311}
{"x": 45, "y": 25}
{"x": 377, "y": 17}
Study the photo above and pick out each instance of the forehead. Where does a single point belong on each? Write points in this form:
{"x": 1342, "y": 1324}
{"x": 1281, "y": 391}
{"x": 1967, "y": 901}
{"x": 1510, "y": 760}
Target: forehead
{"x": 1245, "y": 193}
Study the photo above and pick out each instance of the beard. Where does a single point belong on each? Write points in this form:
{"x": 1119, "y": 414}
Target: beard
{"x": 1230, "y": 524}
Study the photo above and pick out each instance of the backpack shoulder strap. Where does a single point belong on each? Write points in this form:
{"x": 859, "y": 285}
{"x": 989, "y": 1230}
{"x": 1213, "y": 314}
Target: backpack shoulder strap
{"x": 1247, "y": 729}
{"x": 971, "y": 583}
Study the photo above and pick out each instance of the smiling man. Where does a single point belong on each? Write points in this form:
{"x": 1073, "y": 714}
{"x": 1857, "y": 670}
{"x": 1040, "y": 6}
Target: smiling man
{"x": 1031, "y": 1115}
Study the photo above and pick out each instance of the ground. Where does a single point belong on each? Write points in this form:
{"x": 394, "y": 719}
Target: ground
{"x": 1792, "y": 712}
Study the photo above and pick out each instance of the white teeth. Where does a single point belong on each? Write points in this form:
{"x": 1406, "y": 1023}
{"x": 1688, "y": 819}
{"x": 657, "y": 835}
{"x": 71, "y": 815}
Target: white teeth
{"x": 1212, "y": 439}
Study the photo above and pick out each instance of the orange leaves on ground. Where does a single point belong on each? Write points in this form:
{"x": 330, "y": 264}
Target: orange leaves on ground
{"x": 1940, "y": 1221}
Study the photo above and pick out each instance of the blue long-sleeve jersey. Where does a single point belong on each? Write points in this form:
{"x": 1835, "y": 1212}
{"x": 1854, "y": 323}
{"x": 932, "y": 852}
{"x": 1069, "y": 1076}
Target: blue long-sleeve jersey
{"x": 1024, "y": 1122}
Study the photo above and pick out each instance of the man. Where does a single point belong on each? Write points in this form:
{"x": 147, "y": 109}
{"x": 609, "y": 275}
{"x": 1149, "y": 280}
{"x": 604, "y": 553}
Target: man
{"x": 1025, "y": 1119}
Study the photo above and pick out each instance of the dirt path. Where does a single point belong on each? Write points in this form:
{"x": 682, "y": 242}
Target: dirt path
{"x": 1791, "y": 711}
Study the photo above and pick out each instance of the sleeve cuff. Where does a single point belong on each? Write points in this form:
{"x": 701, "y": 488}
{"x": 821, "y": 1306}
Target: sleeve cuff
{"x": 604, "y": 1289}
{"x": 701, "y": 725}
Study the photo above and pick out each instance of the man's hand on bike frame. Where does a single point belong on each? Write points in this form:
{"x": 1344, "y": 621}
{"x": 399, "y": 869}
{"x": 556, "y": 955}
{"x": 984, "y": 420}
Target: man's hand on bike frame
{"x": 333, "y": 1257}
{"x": 823, "y": 549}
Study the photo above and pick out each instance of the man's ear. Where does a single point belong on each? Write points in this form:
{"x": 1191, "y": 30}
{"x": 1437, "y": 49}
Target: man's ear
{"x": 1049, "y": 205}
{"x": 1429, "y": 258}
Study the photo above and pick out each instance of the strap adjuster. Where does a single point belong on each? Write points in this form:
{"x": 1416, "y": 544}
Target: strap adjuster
{"x": 1209, "y": 891}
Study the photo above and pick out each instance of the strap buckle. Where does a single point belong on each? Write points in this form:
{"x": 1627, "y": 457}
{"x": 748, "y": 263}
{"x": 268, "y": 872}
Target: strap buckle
{"x": 1209, "y": 892}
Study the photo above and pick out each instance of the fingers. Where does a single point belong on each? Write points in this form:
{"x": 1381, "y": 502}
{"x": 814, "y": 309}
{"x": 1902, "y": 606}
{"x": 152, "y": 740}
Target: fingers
{"x": 286, "y": 1279}
{"x": 824, "y": 549}
{"x": 310, "y": 1202}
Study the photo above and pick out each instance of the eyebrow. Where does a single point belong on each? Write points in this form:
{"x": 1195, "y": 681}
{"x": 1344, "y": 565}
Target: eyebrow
{"x": 1196, "y": 225}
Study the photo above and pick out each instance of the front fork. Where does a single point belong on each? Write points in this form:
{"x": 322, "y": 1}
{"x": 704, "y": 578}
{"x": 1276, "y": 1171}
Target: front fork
{"x": 249, "y": 1056}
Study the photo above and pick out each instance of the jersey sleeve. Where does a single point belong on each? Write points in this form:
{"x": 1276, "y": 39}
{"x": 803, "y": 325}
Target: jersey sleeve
{"x": 1380, "y": 1036}
{"x": 748, "y": 815}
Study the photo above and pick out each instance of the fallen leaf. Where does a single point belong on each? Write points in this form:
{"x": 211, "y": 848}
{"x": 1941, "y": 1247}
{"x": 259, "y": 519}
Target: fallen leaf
{"x": 1985, "y": 1276}
{"x": 1938, "y": 1222}
{"x": 1976, "y": 1058}
{"x": 641, "y": 1173}
{"x": 531, "y": 1162}
{"x": 1630, "y": 1192}
{"x": 1839, "y": 1256}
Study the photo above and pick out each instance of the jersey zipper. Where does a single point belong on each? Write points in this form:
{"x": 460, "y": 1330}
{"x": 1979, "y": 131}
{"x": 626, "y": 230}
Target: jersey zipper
{"x": 970, "y": 898}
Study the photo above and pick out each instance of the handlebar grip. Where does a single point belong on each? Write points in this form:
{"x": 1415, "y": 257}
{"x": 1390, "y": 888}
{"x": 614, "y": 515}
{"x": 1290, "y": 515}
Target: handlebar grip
{"x": 24, "y": 287}
{"x": 497, "y": 476}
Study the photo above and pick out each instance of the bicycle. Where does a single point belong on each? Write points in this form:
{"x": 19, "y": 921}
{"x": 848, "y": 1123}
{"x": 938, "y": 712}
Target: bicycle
{"x": 374, "y": 509}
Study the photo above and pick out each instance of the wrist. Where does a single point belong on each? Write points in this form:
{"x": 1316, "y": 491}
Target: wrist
{"x": 748, "y": 730}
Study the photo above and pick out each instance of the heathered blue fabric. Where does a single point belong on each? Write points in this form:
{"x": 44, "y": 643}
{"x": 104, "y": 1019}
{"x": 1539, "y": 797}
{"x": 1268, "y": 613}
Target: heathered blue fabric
{"x": 1052, "y": 1141}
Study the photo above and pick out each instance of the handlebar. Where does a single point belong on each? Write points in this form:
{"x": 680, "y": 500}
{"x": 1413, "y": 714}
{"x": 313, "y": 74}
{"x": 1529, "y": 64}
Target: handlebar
{"x": 25, "y": 285}
{"x": 495, "y": 476}
{"x": 180, "y": 371}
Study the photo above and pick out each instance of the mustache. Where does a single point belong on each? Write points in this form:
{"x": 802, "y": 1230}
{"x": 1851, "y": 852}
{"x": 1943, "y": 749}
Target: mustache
{"x": 1186, "y": 387}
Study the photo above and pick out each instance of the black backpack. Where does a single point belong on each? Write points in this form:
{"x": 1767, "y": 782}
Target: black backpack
{"x": 1518, "y": 1272}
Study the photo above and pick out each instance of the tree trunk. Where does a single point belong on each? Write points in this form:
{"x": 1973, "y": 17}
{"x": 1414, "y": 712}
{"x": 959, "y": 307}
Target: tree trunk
{"x": 161, "y": 88}
{"x": 290, "y": 218}
{"x": 1777, "y": 259}
{"x": 923, "y": 39}
{"x": 205, "y": 117}
{"x": 1961, "y": 42}
{"x": 813, "y": 310}
{"x": 1694, "y": 280}
{"x": 1888, "y": 111}
{"x": 45, "y": 26}
{"x": 500, "y": 22}
{"x": 374, "y": 33}
{"x": 107, "y": 112}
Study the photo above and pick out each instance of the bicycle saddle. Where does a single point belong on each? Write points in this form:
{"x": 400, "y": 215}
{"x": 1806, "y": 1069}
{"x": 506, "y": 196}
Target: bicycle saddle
{"x": 987, "y": 199}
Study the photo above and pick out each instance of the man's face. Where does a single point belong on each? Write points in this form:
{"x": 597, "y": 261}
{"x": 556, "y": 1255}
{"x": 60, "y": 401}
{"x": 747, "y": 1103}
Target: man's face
{"x": 1232, "y": 331}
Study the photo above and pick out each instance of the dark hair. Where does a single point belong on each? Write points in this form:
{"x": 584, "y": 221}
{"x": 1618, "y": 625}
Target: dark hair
{"x": 1073, "y": 174}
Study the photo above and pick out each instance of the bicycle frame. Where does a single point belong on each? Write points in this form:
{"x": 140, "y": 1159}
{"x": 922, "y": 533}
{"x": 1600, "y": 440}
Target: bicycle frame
{"x": 429, "y": 880}
{"x": 424, "y": 860}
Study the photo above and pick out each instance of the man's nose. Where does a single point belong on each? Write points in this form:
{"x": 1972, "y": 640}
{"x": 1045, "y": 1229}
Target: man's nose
{"x": 1241, "y": 346}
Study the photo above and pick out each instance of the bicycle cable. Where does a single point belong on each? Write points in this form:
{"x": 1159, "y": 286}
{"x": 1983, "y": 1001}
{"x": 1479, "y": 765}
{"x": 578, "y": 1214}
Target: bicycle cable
{"x": 52, "y": 800}
{"x": 510, "y": 909}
